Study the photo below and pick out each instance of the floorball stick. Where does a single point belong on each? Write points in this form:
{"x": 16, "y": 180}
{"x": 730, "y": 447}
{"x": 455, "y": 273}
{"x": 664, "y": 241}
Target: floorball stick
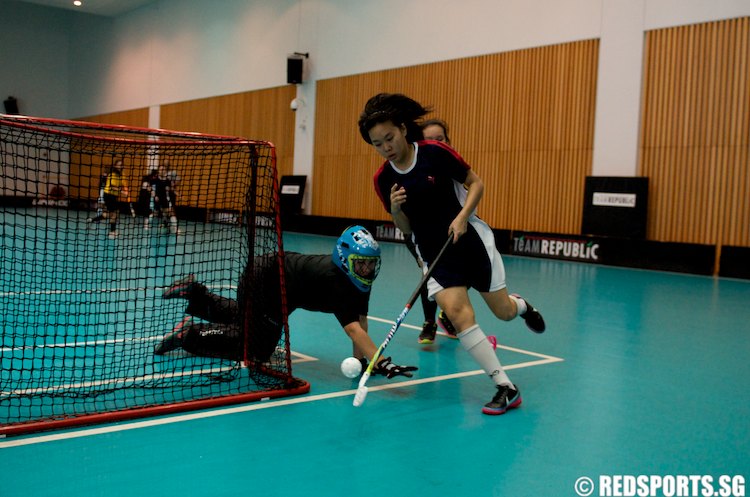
{"x": 359, "y": 397}
{"x": 100, "y": 203}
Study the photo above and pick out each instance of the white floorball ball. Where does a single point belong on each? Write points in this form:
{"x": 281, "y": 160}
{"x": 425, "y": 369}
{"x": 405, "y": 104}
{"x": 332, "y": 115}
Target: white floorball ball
{"x": 351, "y": 367}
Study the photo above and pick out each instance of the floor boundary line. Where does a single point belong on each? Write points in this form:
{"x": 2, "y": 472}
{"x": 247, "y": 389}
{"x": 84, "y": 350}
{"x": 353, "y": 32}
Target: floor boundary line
{"x": 87, "y": 432}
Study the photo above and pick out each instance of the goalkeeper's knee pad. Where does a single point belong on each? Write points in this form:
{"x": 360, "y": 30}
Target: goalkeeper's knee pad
{"x": 264, "y": 335}
{"x": 209, "y": 340}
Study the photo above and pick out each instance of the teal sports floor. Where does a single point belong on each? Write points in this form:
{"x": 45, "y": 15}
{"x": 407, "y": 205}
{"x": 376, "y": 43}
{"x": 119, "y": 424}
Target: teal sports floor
{"x": 639, "y": 373}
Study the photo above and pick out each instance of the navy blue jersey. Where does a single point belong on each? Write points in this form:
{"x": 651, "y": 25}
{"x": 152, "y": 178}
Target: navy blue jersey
{"x": 435, "y": 194}
{"x": 434, "y": 191}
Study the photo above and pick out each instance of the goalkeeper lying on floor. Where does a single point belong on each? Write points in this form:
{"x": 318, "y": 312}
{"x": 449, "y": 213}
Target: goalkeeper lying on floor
{"x": 339, "y": 285}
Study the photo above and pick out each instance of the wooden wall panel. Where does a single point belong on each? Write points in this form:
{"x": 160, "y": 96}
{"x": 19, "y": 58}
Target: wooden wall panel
{"x": 85, "y": 169}
{"x": 256, "y": 115}
{"x": 260, "y": 115}
{"x": 695, "y": 132}
{"x": 524, "y": 120}
{"x": 137, "y": 118}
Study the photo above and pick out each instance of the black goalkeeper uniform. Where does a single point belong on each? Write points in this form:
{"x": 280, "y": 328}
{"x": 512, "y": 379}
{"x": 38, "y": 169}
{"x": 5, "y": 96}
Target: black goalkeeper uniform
{"x": 313, "y": 283}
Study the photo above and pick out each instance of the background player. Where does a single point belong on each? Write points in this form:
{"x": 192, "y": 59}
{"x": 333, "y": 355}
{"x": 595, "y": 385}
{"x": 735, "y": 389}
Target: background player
{"x": 164, "y": 198}
{"x": 146, "y": 197}
{"x": 432, "y": 129}
{"x": 111, "y": 185}
{"x": 338, "y": 285}
{"x": 432, "y": 193}
{"x": 173, "y": 180}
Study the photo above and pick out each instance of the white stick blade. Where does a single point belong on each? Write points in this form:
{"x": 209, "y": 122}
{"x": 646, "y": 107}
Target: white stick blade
{"x": 359, "y": 397}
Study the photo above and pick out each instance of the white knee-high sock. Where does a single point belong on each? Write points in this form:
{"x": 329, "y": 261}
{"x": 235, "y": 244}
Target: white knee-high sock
{"x": 520, "y": 304}
{"x": 475, "y": 342}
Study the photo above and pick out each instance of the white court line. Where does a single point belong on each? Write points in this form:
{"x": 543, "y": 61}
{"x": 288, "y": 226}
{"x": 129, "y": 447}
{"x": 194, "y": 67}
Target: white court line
{"x": 302, "y": 357}
{"x": 87, "y": 343}
{"x": 257, "y": 406}
{"x": 121, "y": 382}
{"x": 92, "y": 291}
{"x": 504, "y": 347}
{"x": 130, "y": 381}
{"x": 544, "y": 359}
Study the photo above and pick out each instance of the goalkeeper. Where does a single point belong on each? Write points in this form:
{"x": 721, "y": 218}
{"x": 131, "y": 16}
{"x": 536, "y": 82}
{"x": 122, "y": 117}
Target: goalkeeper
{"x": 338, "y": 285}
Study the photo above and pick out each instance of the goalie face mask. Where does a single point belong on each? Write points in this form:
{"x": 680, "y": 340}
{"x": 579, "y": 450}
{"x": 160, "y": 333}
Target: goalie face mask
{"x": 357, "y": 254}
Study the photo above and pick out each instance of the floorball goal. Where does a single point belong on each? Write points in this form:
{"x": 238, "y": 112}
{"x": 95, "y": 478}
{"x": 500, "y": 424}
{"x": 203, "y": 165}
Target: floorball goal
{"x": 97, "y": 221}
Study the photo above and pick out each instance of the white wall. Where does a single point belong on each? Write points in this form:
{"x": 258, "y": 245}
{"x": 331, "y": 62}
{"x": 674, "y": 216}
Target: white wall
{"x": 362, "y": 36}
{"x": 176, "y": 50}
{"x": 623, "y": 27}
{"x": 34, "y": 59}
{"x": 618, "y": 89}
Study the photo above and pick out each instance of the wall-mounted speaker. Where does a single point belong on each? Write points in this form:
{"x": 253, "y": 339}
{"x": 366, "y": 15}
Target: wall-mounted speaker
{"x": 11, "y": 105}
{"x": 294, "y": 66}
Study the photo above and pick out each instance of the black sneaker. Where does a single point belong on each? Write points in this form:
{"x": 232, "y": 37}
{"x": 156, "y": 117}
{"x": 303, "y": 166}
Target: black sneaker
{"x": 429, "y": 329}
{"x": 180, "y": 288}
{"x": 173, "y": 340}
{"x": 534, "y": 320}
{"x": 446, "y": 325}
{"x": 505, "y": 398}
{"x": 365, "y": 362}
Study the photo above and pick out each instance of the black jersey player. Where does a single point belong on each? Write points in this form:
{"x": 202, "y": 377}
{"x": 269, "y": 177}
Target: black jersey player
{"x": 339, "y": 284}
{"x": 431, "y": 194}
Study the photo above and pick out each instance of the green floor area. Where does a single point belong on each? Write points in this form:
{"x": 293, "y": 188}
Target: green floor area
{"x": 639, "y": 373}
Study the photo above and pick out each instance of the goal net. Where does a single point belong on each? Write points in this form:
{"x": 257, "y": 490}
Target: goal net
{"x": 97, "y": 222}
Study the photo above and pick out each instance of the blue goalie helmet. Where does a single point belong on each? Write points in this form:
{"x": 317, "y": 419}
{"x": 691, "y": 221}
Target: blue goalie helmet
{"x": 357, "y": 254}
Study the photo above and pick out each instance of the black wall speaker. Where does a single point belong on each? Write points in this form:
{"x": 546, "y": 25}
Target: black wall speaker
{"x": 11, "y": 105}
{"x": 294, "y": 69}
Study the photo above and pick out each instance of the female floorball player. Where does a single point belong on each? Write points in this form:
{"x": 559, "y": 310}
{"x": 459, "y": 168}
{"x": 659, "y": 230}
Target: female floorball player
{"x": 338, "y": 284}
{"x": 165, "y": 197}
{"x": 432, "y": 129}
{"x": 146, "y": 196}
{"x": 112, "y": 184}
{"x": 432, "y": 193}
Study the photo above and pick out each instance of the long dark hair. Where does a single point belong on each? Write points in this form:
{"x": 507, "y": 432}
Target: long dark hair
{"x": 396, "y": 108}
{"x": 438, "y": 122}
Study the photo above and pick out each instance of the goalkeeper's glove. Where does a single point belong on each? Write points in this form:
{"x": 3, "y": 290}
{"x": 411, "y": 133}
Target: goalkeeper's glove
{"x": 386, "y": 368}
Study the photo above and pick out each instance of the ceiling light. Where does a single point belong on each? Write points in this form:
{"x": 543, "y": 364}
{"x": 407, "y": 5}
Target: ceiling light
{"x": 77, "y": 3}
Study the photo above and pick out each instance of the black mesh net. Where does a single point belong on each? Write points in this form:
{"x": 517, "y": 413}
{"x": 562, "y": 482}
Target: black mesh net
{"x": 97, "y": 223}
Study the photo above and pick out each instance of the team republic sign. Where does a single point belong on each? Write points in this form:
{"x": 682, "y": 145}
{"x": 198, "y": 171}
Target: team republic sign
{"x": 566, "y": 248}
